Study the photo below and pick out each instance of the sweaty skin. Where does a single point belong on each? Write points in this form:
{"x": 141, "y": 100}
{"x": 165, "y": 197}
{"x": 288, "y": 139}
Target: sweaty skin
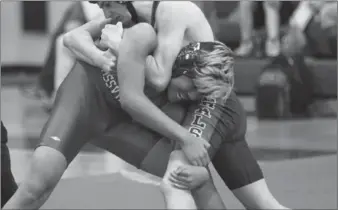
{"x": 174, "y": 31}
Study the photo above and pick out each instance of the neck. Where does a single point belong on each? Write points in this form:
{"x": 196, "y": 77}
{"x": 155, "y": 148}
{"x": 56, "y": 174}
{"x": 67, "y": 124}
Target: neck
{"x": 143, "y": 10}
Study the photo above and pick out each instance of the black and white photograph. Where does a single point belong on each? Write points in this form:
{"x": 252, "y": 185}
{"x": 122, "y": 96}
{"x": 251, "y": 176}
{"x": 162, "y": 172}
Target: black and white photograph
{"x": 169, "y": 104}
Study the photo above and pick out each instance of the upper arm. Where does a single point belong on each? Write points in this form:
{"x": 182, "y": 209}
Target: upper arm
{"x": 170, "y": 38}
{"x": 137, "y": 43}
{"x": 93, "y": 28}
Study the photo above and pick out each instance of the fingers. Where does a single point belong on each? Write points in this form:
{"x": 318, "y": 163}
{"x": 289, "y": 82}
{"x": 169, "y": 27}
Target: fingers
{"x": 181, "y": 187}
{"x": 181, "y": 171}
{"x": 198, "y": 162}
{"x": 206, "y": 159}
{"x": 106, "y": 21}
{"x": 207, "y": 145}
{"x": 194, "y": 162}
{"x": 178, "y": 181}
{"x": 203, "y": 157}
{"x": 120, "y": 28}
{"x": 108, "y": 68}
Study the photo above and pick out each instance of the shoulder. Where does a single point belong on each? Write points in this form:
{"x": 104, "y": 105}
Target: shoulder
{"x": 140, "y": 36}
{"x": 141, "y": 29}
{"x": 142, "y": 32}
{"x": 177, "y": 12}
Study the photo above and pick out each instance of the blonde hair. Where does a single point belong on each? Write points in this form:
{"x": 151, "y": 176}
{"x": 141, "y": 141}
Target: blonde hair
{"x": 215, "y": 72}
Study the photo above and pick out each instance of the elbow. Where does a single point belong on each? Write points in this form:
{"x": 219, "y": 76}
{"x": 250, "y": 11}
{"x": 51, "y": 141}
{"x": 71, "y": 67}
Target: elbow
{"x": 127, "y": 102}
{"x": 68, "y": 39}
{"x": 73, "y": 38}
{"x": 160, "y": 84}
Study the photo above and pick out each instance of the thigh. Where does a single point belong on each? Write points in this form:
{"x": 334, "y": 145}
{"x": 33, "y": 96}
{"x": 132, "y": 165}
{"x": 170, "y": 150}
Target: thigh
{"x": 140, "y": 146}
{"x": 79, "y": 113}
{"x": 224, "y": 126}
{"x": 215, "y": 122}
{"x": 64, "y": 62}
{"x": 46, "y": 76}
{"x": 236, "y": 165}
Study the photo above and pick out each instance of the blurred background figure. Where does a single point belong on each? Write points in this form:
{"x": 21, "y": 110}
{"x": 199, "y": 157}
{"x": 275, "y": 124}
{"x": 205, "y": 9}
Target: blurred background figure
{"x": 8, "y": 184}
{"x": 312, "y": 30}
{"x": 272, "y": 24}
{"x": 60, "y": 60}
{"x": 286, "y": 86}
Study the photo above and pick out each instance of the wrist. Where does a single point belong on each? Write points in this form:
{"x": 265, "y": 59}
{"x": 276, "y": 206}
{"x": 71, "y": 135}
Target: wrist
{"x": 183, "y": 136}
{"x": 99, "y": 59}
{"x": 114, "y": 48}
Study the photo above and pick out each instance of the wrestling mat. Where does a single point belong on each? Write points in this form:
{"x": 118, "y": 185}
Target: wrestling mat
{"x": 295, "y": 183}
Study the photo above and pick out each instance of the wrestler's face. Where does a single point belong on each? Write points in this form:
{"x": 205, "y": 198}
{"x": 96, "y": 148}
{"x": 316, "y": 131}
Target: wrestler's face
{"x": 182, "y": 89}
{"x": 115, "y": 11}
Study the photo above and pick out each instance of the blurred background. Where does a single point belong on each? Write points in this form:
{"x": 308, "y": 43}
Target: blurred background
{"x": 293, "y": 136}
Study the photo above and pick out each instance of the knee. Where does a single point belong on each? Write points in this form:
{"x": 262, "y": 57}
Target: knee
{"x": 176, "y": 155}
{"x": 46, "y": 170}
{"x": 175, "y": 160}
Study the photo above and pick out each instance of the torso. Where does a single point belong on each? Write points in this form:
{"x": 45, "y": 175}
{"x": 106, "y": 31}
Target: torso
{"x": 197, "y": 29}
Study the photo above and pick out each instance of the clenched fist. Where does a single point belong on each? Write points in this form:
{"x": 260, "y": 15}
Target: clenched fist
{"x": 111, "y": 37}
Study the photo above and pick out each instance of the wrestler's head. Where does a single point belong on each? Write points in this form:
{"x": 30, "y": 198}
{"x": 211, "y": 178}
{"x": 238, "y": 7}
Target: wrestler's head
{"x": 116, "y": 10}
{"x": 202, "y": 69}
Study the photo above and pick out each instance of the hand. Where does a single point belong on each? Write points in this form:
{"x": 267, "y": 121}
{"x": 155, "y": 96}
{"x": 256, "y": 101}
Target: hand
{"x": 196, "y": 150}
{"x": 188, "y": 177}
{"x": 111, "y": 36}
{"x": 108, "y": 62}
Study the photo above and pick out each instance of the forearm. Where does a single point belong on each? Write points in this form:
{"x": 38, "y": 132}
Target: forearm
{"x": 154, "y": 74}
{"x": 145, "y": 112}
{"x": 81, "y": 44}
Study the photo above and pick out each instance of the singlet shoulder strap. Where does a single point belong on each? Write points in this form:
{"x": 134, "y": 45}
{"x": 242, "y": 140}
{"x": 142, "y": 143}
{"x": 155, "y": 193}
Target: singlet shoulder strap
{"x": 153, "y": 13}
{"x": 132, "y": 11}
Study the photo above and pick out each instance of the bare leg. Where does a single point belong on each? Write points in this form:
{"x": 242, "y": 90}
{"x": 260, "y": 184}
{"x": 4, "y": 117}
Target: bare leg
{"x": 176, "y": 198}
{"x": 246, "y": 25}
{"x": 257, "y": 196}
{"x": 46, "y": 170}
{"x": 272, "y": 20}
{"x": 207, "y": 197}
{"x": 64, "y": 62}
